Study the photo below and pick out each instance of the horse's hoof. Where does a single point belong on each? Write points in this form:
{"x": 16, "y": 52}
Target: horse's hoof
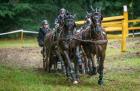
{"x": 94, "y": 73}
{"x": 91, "y": 73}
{"x": 100, "y": 82}
{"x": 78, "y": 80}
{"x": 69, "y": 79}
{"x": 75, "y": 82}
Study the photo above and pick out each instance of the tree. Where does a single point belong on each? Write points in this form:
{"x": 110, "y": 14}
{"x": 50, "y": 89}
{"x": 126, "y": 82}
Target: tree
{"x": 27, "y": 14}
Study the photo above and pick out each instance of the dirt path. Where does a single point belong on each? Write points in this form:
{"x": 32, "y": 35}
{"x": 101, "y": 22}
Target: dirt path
{"x": 31, "y": 57}
{"x": 21, "y": 57}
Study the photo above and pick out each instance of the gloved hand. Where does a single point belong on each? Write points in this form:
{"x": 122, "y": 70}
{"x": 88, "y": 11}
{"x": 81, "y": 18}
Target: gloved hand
{"x": 57, "y": 25}
{"x": 41, "y": 43}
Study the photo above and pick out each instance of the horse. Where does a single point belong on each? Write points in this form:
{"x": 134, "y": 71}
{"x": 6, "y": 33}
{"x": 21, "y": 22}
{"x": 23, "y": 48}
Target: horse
{"x": 69, "y": 49}
{"x": 51, "y": 54}
{"x": 58, "y": 42}
{"x": 94, "y": 42}
{"x": 49, "y": 51}
{"x": 81, "y": 35}
{"x": 98, "y": 43}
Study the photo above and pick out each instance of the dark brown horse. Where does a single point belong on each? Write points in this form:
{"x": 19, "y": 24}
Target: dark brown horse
{"x": 60, "y": 42}
{"x": 68, "y": 48}
{"x": 50, "y": 51}
{"x": 98, "y": 44}
{"x": 94, "y": 42}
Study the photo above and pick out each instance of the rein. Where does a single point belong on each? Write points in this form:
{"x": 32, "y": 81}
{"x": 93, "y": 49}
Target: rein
{"x": 98, "y": 42}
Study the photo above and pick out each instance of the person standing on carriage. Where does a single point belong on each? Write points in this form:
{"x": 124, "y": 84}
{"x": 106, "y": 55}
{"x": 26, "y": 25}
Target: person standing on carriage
{"x": 42, "y": 32}
{"x": 61, "y": 16}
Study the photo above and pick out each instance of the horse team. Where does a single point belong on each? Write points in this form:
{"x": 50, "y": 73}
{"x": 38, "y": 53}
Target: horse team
{"x": 78, "y": 51}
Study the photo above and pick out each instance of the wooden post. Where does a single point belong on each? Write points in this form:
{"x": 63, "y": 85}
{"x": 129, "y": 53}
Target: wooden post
{"x": 123, "y": 44}
{"x": 21, "y": 38}
{"x": 125, "y": 29}
{"x": 125, "y": 14}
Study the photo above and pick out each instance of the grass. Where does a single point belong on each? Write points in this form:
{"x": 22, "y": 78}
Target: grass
{"x": 18, "y": 43}
{"x": 122, "y": 73}
{"x": 123, "y": 76}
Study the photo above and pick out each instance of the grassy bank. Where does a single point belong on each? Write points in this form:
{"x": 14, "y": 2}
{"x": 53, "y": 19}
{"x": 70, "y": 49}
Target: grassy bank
{"x": 30, "y": 42}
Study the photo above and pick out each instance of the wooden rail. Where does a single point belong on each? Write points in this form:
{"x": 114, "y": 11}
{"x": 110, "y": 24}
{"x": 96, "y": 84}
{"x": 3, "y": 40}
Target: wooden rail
{"x": 118, "y": 23}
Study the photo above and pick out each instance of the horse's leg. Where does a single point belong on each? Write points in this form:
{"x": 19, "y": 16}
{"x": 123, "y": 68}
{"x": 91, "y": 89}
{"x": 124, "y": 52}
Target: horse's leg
{"x": 54, "y": 63}
{"x": 66, "y": 68}
{"x": 100, "y": 69}
{"x": 89, "y": 59}
{"x": 44, "y": 64}
{"x": 83, "y": 66}
{"x": 84, "y": 61}
{"x": 67, "y": 72}
{"x": 90, "y": 64}
{"x": 49, "y": 64}
{"x": 94, "y": 68}
{"x": 57, "y": 63}
{"x": 63, "y": 64}
{"x": 43, "y": 52}
{"x": 46, "y": 59}
{"x": 78, "y": 63}
{"x": 86, "y": 65}
{"x": 63, "y": 67}
{"x": 71, "y": 68}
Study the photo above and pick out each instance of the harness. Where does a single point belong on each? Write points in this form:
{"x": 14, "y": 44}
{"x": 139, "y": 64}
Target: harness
{"x": 97, "y": 32}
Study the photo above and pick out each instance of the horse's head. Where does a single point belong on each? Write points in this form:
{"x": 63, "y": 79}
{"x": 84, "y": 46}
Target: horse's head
{"x": 67, "y": 25}
{"x": 69, "y": 22}
{"x": 96, "y": 19}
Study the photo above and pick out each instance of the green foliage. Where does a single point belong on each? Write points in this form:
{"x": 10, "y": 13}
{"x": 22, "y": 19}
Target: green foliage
{"x": 27, "y": 14}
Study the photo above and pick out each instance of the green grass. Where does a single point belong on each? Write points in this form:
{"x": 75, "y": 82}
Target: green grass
{"x": 18, "y": 43}
{"x": 123, "y": 76}
{"x": 122, "y": 73}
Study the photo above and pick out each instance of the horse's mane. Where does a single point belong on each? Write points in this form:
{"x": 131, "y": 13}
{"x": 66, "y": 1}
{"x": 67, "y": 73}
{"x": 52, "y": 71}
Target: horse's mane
{"x": 82, "y": 31}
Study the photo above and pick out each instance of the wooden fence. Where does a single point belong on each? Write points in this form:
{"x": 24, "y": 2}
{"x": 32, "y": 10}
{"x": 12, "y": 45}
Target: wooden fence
{"x": 118, "y": 23}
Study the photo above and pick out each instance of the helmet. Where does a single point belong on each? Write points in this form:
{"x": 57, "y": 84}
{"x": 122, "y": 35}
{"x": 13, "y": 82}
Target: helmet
{"x": 62, "y": 10}
{"x": 44, "y": 22}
